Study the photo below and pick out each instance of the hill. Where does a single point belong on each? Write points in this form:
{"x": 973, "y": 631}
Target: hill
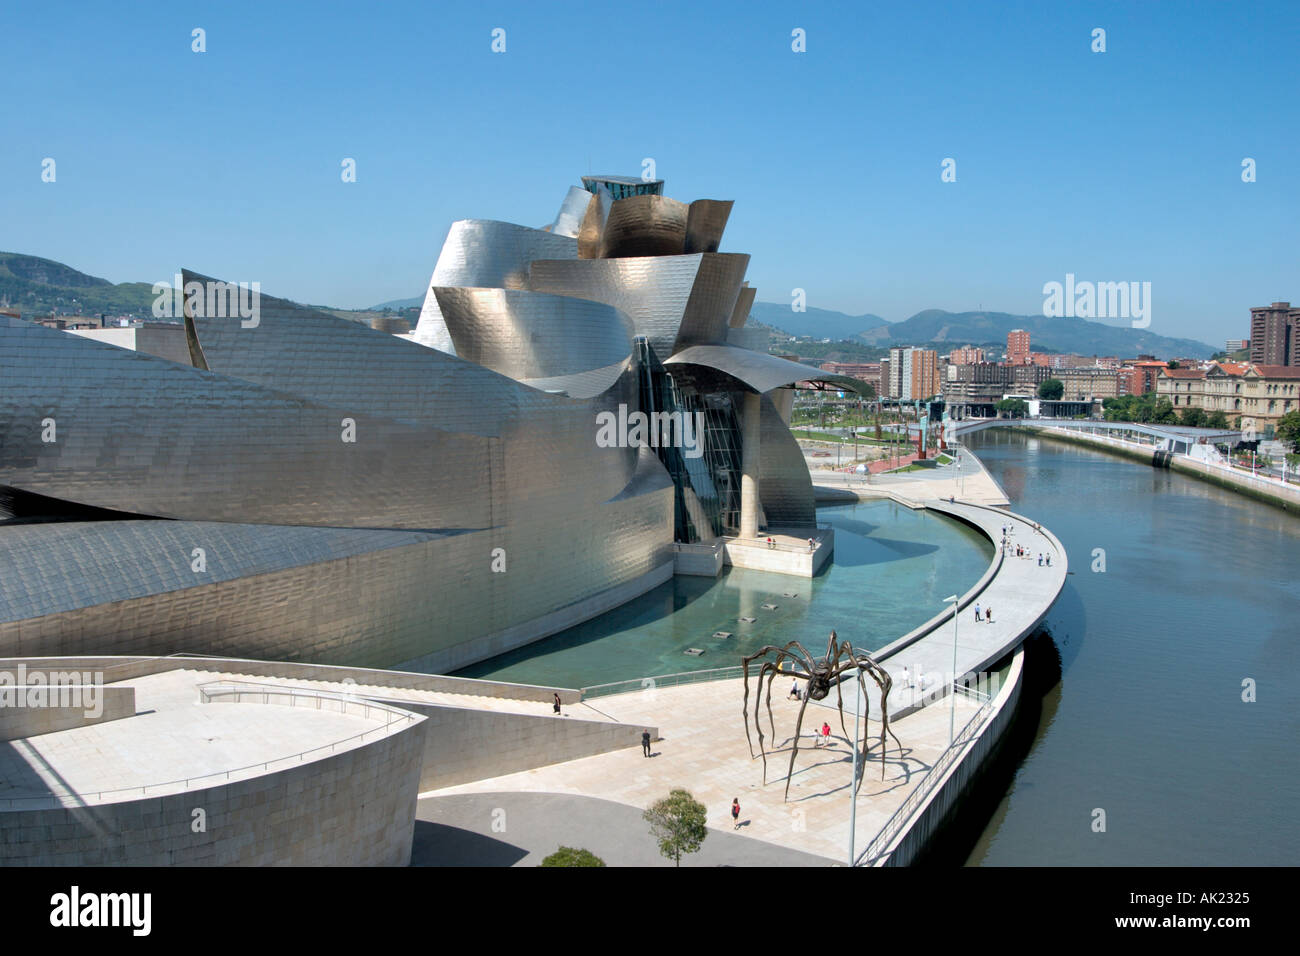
{"x": 36, "y": 286}
{"x": 818, "y": 323}
{"x": 1080, "y": 336}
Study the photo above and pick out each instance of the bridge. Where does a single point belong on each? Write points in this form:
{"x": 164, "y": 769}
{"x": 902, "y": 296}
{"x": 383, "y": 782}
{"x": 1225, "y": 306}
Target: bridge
{"x": 1171, "y": 438}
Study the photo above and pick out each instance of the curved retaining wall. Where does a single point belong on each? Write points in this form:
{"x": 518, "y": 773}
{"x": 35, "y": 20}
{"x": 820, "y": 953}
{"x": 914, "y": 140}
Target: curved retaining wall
{"x": 945, "y": 793}
{"x": 356, "y": 807}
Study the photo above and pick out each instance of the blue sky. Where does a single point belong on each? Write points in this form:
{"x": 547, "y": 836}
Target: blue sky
{"x": 1115, "y": 166}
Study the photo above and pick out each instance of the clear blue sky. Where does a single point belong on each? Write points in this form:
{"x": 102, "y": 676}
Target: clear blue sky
{"x": 1123, "y": 165}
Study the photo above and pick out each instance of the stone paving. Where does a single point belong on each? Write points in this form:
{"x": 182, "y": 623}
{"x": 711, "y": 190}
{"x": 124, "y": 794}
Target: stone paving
{"x": 972, "y": 483}
{"x": 702, "y": 748}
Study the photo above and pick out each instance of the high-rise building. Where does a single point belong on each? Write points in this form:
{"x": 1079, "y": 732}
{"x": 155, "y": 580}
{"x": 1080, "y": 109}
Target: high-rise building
{"x": 1017, "y": 347}
{"x": 967, "y": 355}
{"x": 1236, "y": 345}
{"x": 913, "y": 373}
{"x": 1275, "y": 335}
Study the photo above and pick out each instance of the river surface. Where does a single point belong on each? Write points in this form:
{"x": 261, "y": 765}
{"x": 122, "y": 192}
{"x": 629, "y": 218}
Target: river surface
{"x": 1148, "y": 723}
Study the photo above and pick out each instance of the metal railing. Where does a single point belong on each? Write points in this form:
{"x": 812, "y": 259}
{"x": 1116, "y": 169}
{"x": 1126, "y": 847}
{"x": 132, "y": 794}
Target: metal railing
{"x": 232, "y": 691}
{"x": 664, "y": 680}
{"x": 900, "y": 818}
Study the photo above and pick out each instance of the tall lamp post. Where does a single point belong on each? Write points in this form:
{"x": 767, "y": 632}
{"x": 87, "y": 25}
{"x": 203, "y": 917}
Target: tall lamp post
{"x": 853, "y": 784}
{"x": 952, "y": 691}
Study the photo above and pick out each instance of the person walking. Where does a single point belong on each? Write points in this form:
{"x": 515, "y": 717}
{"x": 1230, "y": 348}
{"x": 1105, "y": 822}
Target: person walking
{"x": 1049, "y": 560}
{"x": 556, "y": 705}
{"x": 645, "y": 742}
{"x": 735, "y": 813}
{"x": 988, "y": 615}
{"x": 794, "y": 691}
{"x": 826, "y": 733}
{"x": 977, "y": 613}
{"x": 1040, "y": 560}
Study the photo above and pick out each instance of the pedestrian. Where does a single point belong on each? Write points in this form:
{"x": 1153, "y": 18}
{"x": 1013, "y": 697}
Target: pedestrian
{"x": 977, "y": 613}
{"x": 1040, "y": 560}
{"x": 1049, "y": 560}
{"x": 794, "y": 691}
{"x": 735, "y": 813}
{"x": 556, "y": 705}
{"x": 905, "y": 678}
{"x": 645, "y": 742}
{"x": 826, "y": 733}
{"x": 812, "y": 545}
{"x": 988, "y": 615}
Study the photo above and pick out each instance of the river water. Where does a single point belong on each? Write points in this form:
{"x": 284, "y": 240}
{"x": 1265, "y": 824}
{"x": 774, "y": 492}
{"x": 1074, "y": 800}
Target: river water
{"x": 1198, "y": 601}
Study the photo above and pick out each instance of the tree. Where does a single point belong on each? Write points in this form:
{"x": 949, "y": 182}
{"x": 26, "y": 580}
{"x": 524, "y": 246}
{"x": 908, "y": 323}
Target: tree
{"x": 1051, "y": 390}
{"x": 1012, "y": 407}
{"x": 1216, "y": 420}
{"x": 1173, "y": 363}
{"x": 1288, "y": 430}
{"x": 568, "y": 856}
{"x": 1194, "y": 417}
{"x": 677, "y": 824}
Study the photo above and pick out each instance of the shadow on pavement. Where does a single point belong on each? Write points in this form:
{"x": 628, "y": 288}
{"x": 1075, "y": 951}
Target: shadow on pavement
{"x": 437, "y": 844}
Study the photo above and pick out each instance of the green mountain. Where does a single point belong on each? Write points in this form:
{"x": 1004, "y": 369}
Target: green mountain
{"x": 35, "y": 286}
{"x": 397, "y": 305}
{"x": 1080, "y": 336}
{"x": 818, "y": 323}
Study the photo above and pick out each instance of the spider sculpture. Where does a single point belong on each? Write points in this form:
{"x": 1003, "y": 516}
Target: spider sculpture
{"x": 820, "y": 673}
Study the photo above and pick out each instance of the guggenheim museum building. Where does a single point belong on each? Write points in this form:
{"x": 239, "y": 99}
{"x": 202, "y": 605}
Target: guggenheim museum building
{"x": 576, "y": 402}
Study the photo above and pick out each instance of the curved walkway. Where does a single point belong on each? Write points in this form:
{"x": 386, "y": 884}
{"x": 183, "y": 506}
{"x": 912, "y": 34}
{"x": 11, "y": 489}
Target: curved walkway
{"x": 1019, "y": 590}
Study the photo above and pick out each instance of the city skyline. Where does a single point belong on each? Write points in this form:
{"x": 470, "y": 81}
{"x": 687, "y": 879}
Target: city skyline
{"x": 1067, "y": 161}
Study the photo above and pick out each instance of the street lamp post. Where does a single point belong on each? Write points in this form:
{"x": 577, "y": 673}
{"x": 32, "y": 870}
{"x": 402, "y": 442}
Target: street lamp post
{"x": 853, "y": 784}
{"x": 952, "y": 691}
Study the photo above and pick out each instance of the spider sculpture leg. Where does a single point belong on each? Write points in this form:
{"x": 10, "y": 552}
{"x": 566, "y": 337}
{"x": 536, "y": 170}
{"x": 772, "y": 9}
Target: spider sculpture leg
{"x": 798, "y": 727}
{"x": 744, "y": 665}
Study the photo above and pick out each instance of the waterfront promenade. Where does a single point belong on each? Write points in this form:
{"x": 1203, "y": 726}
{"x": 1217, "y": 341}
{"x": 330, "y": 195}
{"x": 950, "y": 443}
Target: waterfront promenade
{"x": 702, "y": 745}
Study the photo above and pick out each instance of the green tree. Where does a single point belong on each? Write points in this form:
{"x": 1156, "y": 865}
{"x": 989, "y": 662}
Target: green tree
{"x": 1012, "y": 407}
{"x": 1288, "y": 430}
{"x": 1051, "y": 390}
{"x": 1194, "y": 417}
{"x": 1173, "y": 363}
{"x": 1216, "y": 420}
{"x": 677, "y": 824}
{"x": 568, "y": 856}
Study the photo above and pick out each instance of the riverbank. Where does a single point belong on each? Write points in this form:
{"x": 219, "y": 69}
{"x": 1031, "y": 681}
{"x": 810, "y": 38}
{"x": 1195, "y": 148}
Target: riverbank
{"x": 1268, "y": 490}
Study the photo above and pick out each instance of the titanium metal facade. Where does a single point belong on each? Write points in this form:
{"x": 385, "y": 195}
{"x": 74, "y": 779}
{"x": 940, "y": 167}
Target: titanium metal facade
{"x": 309, "y": 488}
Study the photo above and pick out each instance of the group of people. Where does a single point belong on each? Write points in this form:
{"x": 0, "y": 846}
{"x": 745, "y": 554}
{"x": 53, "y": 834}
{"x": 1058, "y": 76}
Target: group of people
{"x": 987, "y": 614}
{"x": 1044, "y": 560}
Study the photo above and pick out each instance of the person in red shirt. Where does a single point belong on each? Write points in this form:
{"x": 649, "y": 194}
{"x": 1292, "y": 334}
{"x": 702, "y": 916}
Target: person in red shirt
{"x": 735, "y": 813}
{"x": 826, "y": 733}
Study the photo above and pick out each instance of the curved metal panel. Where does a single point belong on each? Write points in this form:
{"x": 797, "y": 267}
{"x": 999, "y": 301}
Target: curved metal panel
{"x": 760, "y": 371}
{"x": 705, "y": 224}
{"x": 140, "y": 434}
{"x": 593, "y": 223}
{"x": 486, "y": 254}
{"x": 527, "y": 335}
{"x": 713, "y": 299}
{"x": 644, "y": 226}
{"x": 568, "y": 221}
{"x": 744, "y": 303}
{"x": 652, "y": 291}
{"x": 355, "y": 369}
{"x": 785, "y": 486}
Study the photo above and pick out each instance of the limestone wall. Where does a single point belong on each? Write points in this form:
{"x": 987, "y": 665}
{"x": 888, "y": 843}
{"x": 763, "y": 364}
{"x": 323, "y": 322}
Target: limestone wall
{"x": 354, "y": 808}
